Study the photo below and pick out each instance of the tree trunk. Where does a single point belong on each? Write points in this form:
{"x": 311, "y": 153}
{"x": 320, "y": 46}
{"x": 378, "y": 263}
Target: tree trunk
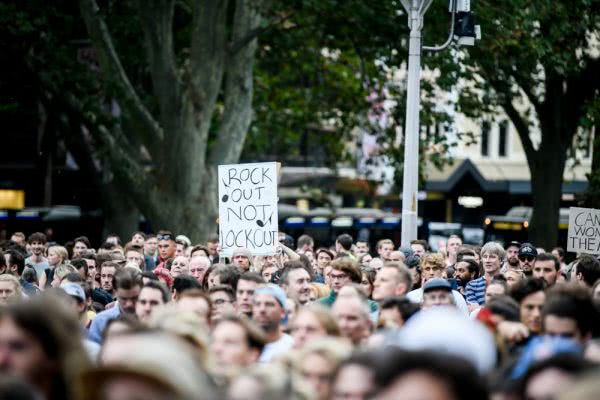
{"x": 546, "y": 192}
{"x": 121, "y": 215}
{"x": 592, "y": 195}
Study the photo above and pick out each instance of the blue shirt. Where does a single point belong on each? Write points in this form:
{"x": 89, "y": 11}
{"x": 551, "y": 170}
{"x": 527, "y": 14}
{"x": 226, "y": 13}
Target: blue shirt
{"x": 99, "y": 323}
{"x": 475, "y": 291}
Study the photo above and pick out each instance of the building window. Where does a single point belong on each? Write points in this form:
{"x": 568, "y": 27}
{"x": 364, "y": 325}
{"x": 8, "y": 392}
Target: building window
{"x": 502, "y": 138}
{"x": 485, "y": 139}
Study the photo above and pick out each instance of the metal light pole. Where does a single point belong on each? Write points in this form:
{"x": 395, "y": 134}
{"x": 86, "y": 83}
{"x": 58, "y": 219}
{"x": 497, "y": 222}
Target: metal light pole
{"x": 416, "y": 10}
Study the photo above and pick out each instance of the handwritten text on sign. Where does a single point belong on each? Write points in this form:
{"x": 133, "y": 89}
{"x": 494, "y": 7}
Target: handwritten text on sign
{"x": 248, "y": 208}
{"x": 584, "y": 230}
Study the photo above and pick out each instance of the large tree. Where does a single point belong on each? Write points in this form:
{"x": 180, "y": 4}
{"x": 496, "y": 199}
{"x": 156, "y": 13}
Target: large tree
{"x": 539, "y": 62}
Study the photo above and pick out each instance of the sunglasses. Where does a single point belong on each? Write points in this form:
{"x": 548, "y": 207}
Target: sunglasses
{"x": 165, "y": 237}
{"x": 528, "y": 258}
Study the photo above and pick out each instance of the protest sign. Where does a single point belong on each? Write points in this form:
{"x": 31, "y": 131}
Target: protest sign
{"x": 584, "y": 230}
{"x": 248, "y": 208}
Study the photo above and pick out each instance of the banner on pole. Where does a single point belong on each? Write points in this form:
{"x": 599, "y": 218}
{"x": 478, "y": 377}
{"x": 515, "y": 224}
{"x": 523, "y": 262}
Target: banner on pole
{"x": 248, "y": 208}
{"x": 584, "y": 230}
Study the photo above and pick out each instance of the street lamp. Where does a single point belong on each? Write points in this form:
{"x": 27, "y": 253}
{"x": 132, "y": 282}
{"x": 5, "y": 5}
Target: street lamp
{"x": 416, "y": 9}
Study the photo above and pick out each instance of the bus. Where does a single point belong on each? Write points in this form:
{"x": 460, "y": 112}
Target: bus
{"x": 514, "y": 226}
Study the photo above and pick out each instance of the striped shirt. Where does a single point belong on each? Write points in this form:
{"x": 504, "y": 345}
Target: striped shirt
{"x": 475, "y": 291}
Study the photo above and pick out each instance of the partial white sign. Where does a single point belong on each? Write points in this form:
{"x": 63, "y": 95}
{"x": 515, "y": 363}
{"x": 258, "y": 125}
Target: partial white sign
{"x": 584, "y": 230}
{"x": 248, "y": 208}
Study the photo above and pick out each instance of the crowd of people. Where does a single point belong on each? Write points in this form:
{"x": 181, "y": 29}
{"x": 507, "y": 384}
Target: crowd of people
{"x": 155, "y": 316}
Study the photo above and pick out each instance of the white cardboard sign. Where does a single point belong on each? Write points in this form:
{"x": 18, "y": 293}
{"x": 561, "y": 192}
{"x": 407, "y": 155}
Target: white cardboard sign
{"x": 584, "y": 230}
{"x": 248, "y": 208}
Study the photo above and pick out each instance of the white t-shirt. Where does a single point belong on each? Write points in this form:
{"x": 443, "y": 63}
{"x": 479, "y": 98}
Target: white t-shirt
{"x": 275, "y": 349}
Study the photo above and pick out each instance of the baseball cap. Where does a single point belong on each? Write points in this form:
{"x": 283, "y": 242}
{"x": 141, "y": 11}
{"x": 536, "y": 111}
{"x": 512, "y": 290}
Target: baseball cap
{"x": 527, "y": 249}
{"x": 407, "y": 251}
{"x": 277, "y": 293}
{"x": 437, "y": 283}
{"x": 73, "y": 289}
{"x": 514, "y": 243}
{"x": 412, "y": 261}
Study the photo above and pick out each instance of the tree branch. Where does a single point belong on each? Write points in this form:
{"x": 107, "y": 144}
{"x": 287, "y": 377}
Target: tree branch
{"x": 113, "y": 70}
{"x": 208, "y": 49}
{"x": 157, "y": 24}
{"x": 236, "y": 46}
{"x": 238, "y": 88}
{"x": 503, "y": 90}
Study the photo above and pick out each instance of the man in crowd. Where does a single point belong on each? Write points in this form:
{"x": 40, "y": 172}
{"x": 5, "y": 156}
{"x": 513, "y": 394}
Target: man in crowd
{"x": 268, "y": 311}
{"x": 152, "y": 295}
{"x": 384, "y": 248}
{"x": 15, "y": 265}
{"x": 37, "y": 245}
{"x": 466, "y": 271}
{"x": 108, "y": 270}
{"x": 394, "y": 279}
{"x": 244, "y": 292}
{"x": 530, "y": 295}
{"x": 135, "y": 254}
{"x": 512, "y": 256}
{"x": 151, "y": 246}
{"x": 9, "y": 288}
{"x": 352, "y": 314}
{"x": 343, "y": 272}
{"x": 546, "y": 267}
{"x": 343, "y": 245}
{"x": 242, "y": 258}
{"x": 127, "y": 283}
{"x": 198, "y": 266}
{"x": 586, "y": 270}
{"x": 222, "y": 299}
{"x": 305, "y": 243}
{"x": 437, "y": 292}
{"x": 492, "y": 255}
{"x": 433, "y": 266}
{"x": 213, "y": 248}
{"x": 295, "y": 280}
{"x": 419, "y": 247}
{"x": 527, "y": 255}
{"x": 452, "y": 245}
{"x": 19, "y": 239}
{"x": 361, "y": 247}
{"x": 569, "y": 313}
{"x": 166, "y": 247}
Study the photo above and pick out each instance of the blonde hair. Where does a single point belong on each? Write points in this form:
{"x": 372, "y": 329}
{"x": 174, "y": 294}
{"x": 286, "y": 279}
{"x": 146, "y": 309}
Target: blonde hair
{"x": 323, "y": 315}
{"x": 14, "y": 281}
{"x": 61, "y": 252}
{"x": 320, "y": 289}
{"x": 433, "y": 259}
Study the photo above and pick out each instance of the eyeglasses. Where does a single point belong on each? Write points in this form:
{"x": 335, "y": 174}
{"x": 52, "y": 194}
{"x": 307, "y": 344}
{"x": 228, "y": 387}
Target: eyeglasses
{"x": 337, "y": 276}
{"x": 528, "y": 258}
{"x": 166, "y": 236}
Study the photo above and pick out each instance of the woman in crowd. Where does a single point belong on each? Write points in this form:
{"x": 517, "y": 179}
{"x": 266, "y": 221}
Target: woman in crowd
{"x": 312, "y": 322}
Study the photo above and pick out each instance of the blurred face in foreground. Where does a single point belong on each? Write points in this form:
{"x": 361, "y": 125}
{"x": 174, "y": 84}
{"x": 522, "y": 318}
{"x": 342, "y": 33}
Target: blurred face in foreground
{"x": 305, "y": 328}
{"x": 353, "y": 382}
{"x": 417, "y": 385}
{"x": 230, "y": 346}
{"x": 531, "y": 311}
{"x": 316, "y": 371}
{"x": 21, "y": 354}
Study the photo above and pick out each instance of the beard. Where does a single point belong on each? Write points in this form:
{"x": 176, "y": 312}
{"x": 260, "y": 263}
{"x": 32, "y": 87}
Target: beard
{"x": 513, "y": 261}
